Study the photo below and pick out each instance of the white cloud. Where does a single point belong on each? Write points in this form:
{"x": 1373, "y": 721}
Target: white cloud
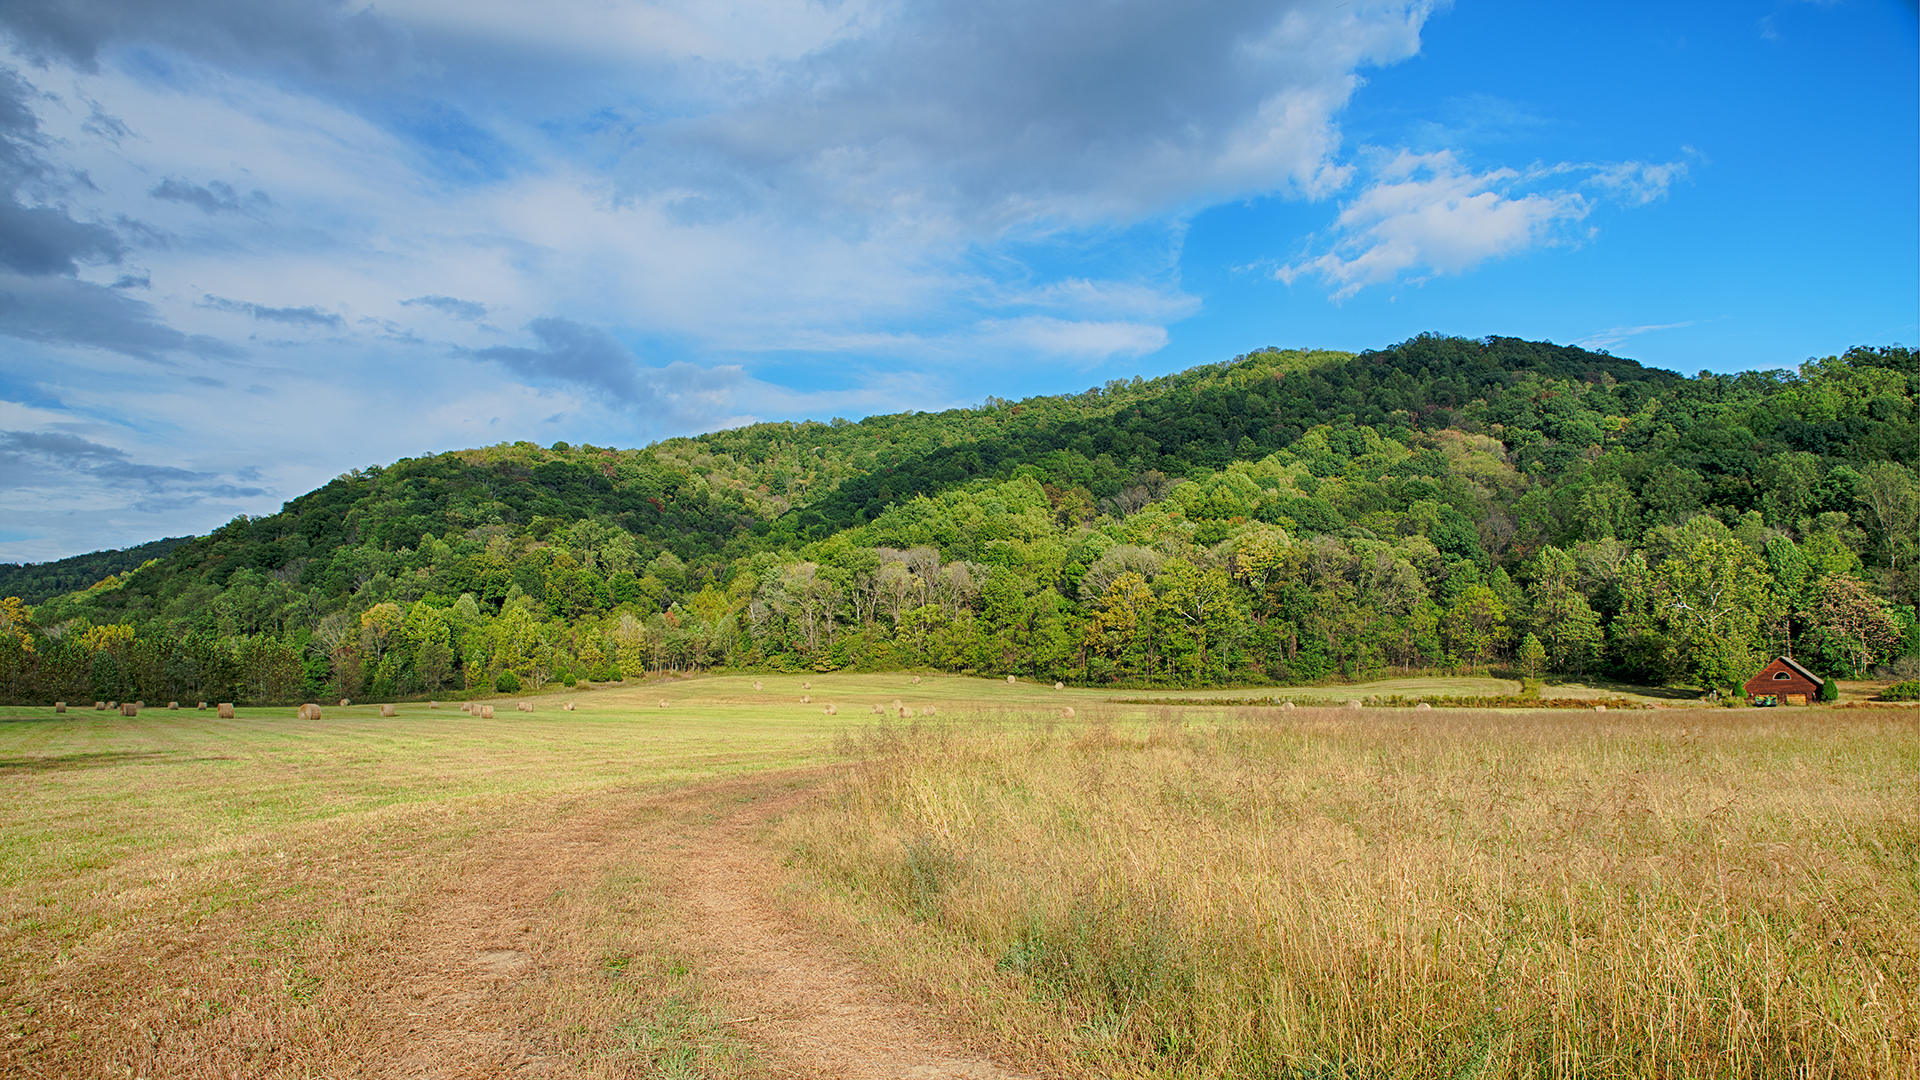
{"x": 997, "y": 115}
{"x": 1617, "y": 334}
{"x": 1074, "y": 340}
{"x": 344, "y": 228}
{"x": 750, "y": 34}
{"x": 831, "y": 183}
{"x": 1090, "y": 298}
{"x": 1429, "y": 215}
{"x": 1424, "y": 212}
{"x": 1638, "y": 183}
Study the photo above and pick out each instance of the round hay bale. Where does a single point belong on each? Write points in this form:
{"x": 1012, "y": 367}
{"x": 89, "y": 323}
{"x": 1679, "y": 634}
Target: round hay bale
{"x": 386, "y": 710}
{"x": 139, "y": 704}
{"x": 59, "y": 706}
{"x": 344, "y": 703}
{"x": 1011, "y": 679}
{"x": 1354, "y": 705}
{"x": 486, "y": 712}
{"x": 1059, "y": 686}
{"x": 203, "y": 705}
{"x": 99, "y": 704}
{"x": 878, "y": 709}
{"x": 433, "y": 704}
{"x": 173, "y": 704}
{"x": 806, "y": 699}
{"x": 928, "y": 711}
{"x": 663, "y": 703}
{"x": 1286, "y": 704}
{"x": 525, "y": 706}
{"x": 916, "y": 680}
{"x": 896, "y": 703}
{"x": 756, "y": 684}
{"x": 830, "y": 711}
{"x": 806, "y": 686}
{"x": 130, "y": 709}
{"x": 1599, "y": 708}
{"x": 1066, "y": 713}
{"x": 113, "y": 704}
{"x": 224, "y": 710}
{"x": 1423, "y": 707}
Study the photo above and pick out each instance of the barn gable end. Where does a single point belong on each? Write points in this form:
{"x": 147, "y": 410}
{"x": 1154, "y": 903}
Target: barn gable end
{"x": 1783, "y": 677}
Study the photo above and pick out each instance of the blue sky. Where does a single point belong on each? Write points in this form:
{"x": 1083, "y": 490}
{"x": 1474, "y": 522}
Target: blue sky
{"x": 246, "y": 245}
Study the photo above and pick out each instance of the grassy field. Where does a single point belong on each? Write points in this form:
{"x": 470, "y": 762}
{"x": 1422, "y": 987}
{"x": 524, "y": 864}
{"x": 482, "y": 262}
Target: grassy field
{"x": 1139, "y": 890}
{"x": 182, "y": 895}
{"x": 1331, "y": 893}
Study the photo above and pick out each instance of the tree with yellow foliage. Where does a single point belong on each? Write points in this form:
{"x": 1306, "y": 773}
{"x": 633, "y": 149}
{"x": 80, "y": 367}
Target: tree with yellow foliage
{"x": 16, "y": 622}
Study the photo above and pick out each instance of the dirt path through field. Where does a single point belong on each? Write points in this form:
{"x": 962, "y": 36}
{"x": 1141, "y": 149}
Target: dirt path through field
{"x": 820, "y": 1011}
{"x": 451, "y": 1007}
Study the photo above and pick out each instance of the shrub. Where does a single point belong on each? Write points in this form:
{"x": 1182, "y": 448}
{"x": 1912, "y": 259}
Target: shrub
{"x": 1902, "y": 691}
{"x": 614, "y": 675}
{"x": 1830, "y": 690}
{"x": 569, "y": 680}
{"x": 506, "y": 683}
{"x": 598, "y": 673}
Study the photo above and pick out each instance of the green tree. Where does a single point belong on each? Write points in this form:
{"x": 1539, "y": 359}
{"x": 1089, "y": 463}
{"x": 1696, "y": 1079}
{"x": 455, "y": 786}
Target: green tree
{"x": 1788, "y": 483}
{"x": 379, "y": 622}
{"x": 1607, "y": 511}
{"x": 516, "y": 638}
{"x": 1122, "y": 627}
{"x": 1476, "y": 625}
{"x": 1716, "y": 600}
{"x": 433, "y": 661}
{"x": 271, "y": 668}
{"x": 1568, "y": 626}
{"x": 1888, "y": 491}
{"x": 1532, "y": 656}
{"x": 1853, "y": 626}
{"x": 1203, "y": 616}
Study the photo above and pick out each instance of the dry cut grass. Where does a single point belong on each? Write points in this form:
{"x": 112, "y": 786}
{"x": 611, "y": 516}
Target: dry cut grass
{"x": 186, "y": 896}
{"x": 1386, "y": 894}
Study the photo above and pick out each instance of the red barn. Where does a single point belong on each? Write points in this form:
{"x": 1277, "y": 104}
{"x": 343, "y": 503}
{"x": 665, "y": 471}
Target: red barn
{"x": 1784, "y": 677}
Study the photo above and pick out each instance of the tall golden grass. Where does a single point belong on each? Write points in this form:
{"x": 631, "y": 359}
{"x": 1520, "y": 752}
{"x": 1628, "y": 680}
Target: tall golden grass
{"x": 1329, "y": 893}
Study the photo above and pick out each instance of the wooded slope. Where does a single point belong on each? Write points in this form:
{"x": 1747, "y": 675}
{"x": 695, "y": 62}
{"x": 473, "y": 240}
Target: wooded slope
{"x": 1286, "y": 515}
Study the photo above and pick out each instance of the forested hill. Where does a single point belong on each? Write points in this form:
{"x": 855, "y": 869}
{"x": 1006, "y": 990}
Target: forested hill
{"x": 1286, "y": 515}
{"x": 1251, "y": 407}
{"x": 35, "y": 582}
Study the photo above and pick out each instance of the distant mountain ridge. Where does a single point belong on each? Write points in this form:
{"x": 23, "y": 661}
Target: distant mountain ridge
{"x": 36, "y": 582}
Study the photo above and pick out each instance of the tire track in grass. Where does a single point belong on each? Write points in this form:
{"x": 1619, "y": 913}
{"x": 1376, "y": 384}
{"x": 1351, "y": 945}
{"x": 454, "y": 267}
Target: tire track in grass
{"x": 818, "y": 1011}
{"x": 467, "y": 989}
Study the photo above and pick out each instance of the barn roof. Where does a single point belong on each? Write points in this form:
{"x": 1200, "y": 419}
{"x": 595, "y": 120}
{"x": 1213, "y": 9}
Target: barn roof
{"x": 1811, "y": 677}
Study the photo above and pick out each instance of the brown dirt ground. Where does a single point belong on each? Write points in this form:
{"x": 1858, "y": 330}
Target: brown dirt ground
{"x": 447, "y": 1006}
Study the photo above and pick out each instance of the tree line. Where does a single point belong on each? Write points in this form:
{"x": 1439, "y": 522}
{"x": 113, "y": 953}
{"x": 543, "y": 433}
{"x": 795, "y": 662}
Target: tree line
{"x": 1280, "y": 518}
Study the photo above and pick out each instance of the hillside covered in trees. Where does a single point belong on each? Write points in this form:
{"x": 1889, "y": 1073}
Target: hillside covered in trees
{"x": 1283, "y": 517}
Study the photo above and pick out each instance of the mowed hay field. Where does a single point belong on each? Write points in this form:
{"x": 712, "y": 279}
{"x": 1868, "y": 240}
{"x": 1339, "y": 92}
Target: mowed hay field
{"x": 186, "y": 896}
{"x": 1138, "y": 890}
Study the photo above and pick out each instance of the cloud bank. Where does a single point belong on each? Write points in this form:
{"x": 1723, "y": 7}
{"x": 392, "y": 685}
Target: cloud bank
{"x": 273, "y": 234}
